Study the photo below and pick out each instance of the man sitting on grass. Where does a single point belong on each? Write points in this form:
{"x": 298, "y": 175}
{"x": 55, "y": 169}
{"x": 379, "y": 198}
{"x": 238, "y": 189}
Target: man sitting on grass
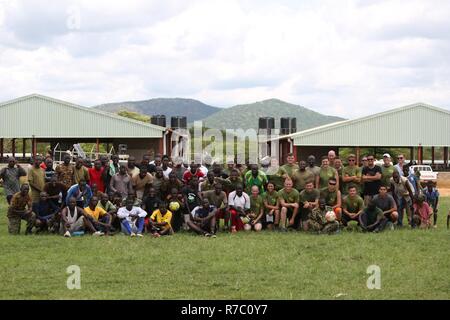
{"x": 21, "y": 209}
{"x": 256, "y": 211}
{"x": 386, "y": 203}
{"x": 352, "y": 206}
{"x": 98, "y": 221}
{"x": 309, "y": 200}
{"x": 203, "y": 219}
{"x": 289, "y": 202}
{"x": 422, "y": 212}
{"x": 238, "y": 206}
{"x": 372, "y": 219}
{"x": 46, "y": 213}
{"x": 132, "y": 219}
{"x": 271, "y": 206}
{"x": 219, "y": 199}
{"x": 317, "y": 222}
{"x": 73, "y": 218}
{"x": 160, "y": 221}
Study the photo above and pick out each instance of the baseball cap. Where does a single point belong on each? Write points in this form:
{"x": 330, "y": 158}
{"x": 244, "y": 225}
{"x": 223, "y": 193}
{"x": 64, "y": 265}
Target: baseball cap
{"x": 386, "y": 155}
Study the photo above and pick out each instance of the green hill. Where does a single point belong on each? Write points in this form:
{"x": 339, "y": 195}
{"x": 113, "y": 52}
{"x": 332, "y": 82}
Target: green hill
{"x": 247, "y": 115}
{"x": 193, "y": 109}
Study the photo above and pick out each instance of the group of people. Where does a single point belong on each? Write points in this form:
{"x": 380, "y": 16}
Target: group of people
{"x": 164, "y": 196}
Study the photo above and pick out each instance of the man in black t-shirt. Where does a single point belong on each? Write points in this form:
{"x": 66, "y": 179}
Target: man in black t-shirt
{"x": 371, "y": 177}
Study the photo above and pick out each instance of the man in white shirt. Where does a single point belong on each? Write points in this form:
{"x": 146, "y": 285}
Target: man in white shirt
{"x": 132, "y": 219}
{"x": 239, "y": 206}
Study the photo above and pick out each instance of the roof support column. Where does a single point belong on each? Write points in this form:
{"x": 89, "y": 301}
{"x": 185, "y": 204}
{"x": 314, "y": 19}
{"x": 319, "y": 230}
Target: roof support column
{"x": 446, "y": 157}
{"x": 420, "y": 154}
{"x": 358, "y": 155}
{"x": 34, "y": 146}
{"x": 295, "y": 151}
{"x": 24, "y": 147}
{"x": 411, "y": 154}
{"x": 1, "y": 148}
{"x": 432, "y": 156}
{"x": 13, "y": 147}
{"x": 97, "y": 148}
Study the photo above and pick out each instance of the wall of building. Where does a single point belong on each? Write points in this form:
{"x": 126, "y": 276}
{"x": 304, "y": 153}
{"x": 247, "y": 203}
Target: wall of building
{"x": 139, "y": 147}
{"x": 318, "y": 152}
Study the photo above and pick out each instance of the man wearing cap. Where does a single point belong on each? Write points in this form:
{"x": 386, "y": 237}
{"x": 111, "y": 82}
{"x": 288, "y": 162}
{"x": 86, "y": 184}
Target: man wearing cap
{"x": 387, "y": 169}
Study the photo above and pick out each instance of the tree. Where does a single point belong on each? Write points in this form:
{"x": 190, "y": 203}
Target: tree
{"x": 134, "y": 115}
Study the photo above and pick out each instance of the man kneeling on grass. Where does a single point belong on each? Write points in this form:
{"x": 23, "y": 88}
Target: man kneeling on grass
{"x": 21, "y": 209}
{"x": 46, "y": 213}
{"x": 352, "y": 206}
{"x": 372, "y": 219}
{"x": 159, "y": 223}
{"x": 98, "y": 221}
{"x": 203, "y": 219}
{"x": 317, "y": 221}
{"x": 132, "y": 219}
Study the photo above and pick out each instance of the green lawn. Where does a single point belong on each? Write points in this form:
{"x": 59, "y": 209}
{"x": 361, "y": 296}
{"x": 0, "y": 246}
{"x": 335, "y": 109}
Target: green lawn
{"x": 414, "y": 265}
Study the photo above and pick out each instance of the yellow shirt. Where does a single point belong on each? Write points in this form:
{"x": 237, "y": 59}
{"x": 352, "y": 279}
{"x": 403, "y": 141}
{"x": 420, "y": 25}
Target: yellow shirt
{"x": 159, "y": 218}
{"x": 97, "y": 213}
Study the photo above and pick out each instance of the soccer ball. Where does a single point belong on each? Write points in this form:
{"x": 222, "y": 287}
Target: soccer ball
{"x": 245, "y": 220}
{"x": 330, "y": 216}
{"x": 174, "y": 206}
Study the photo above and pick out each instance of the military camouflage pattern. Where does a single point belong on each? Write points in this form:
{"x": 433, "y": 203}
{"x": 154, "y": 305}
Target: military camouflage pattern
{"x": 317, "y": 223}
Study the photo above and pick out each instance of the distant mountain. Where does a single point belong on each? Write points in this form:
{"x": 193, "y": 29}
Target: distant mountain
{"x": 246, "y": 116}
{"x": 192, "y": 109}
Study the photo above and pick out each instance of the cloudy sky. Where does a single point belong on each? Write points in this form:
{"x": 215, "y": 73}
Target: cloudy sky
{"x": 346, "y": 57}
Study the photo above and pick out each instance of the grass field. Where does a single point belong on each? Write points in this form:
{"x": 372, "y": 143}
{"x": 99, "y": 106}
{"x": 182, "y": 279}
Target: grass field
{"x": 415, "y": 264}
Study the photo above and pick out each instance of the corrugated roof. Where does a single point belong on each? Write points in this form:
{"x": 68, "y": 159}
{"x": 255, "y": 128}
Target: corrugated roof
{"x": 45, "y": 117}
{"x": 418, "y": 124}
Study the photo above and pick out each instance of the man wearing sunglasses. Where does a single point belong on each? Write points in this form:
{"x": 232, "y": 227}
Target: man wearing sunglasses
{"x": 401, "y": 163}
{"x": 332, "y": 197}
{"x": 371, "y": 177}
{"x": 351, "y": 175}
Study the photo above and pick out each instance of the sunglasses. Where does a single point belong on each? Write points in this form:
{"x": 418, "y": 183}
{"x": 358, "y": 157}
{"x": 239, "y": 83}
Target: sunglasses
{"x": 400, "y": 158}
{"x": 370, "y": 159}
{"x": 351, "y": 160}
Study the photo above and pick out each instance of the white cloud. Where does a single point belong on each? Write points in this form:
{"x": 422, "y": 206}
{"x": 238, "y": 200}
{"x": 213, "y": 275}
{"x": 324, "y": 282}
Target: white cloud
{"x": 346, "y": 58}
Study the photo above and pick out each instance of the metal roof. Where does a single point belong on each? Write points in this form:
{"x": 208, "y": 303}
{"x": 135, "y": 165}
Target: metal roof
{"x": 414, "y": 125}
{"x": 45, "y": 117}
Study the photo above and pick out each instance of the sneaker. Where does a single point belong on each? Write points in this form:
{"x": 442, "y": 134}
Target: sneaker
{"x": 133, "y": 234}
{"x": 139, "y": 235}
{"x": 67, "y": 234}
{"x": 98, "y": 234}
{"x": 283, "y": 230}
{"x": 210, "y": 235}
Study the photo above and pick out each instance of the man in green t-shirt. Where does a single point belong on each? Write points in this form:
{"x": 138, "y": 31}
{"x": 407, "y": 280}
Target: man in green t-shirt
{"x": 326, "y": 173}
{"x": 309, "y": 200}
{"x": 289, "y": 202}
{"x": 256, "y": 211}
{"x": 387, "y": 170}
{"x": 271, "y": 206}
{"x": 352, "y": 206}
{"x": 332, "y": 197}
{"x": 301, "y": 176}
{"x": 288, "y": 170}
{"x": 255, "y": 177}
{"x": 351, "y": 175}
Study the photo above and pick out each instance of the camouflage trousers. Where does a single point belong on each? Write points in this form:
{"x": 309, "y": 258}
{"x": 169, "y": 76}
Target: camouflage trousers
{"x": 328, "y": 227}
{"x": 15, "y": 218}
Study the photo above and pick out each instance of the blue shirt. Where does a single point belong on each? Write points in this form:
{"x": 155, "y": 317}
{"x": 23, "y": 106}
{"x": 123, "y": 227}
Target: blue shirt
{"x": 412, "y": 178}
{"x": 84, "y": 197}
{"x": 44, "y": 208}
{"x": 200, "y": 212}
{"x": 431, "y": 196}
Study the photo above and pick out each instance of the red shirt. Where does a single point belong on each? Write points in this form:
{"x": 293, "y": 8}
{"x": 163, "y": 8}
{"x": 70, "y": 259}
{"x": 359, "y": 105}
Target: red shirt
{"x": 187, "y": 176}
{"x": 96, "y": 177}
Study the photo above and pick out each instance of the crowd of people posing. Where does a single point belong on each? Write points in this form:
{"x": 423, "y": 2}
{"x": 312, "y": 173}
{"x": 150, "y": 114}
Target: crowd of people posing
{"x": 165, "y": 196}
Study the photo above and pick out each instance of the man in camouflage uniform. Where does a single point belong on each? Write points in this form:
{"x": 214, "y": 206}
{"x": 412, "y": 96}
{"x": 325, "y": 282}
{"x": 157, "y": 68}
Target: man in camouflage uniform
{"x": 317, "y": 223}
{"x": 21, "y": 209}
